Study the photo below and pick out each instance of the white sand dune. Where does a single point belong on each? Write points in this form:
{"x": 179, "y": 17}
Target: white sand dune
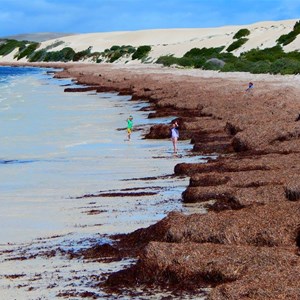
{"x": 179, "y": 41}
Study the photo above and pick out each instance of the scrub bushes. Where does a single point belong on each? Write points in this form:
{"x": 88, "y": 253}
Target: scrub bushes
{"x": 285, "y": 66}
{"x": 167, "y": 60}
{"x": 236, "y": 44}
{"x": 269, "y": 54}
{"x": 38, "y": 55}
{"x": 207, "y": 58}
{"x": 10, "y": 45}
{"x": 241, "y": 33}
{"x": 116, "y": 52}
{"x": 286, "y": 39}
{"x": 81, "y": 55}
{"x": 27, "y": 51}
{"x": 66, "y": 54}
{"x": 141, "y": 52}
{"x": 204, "y": 52}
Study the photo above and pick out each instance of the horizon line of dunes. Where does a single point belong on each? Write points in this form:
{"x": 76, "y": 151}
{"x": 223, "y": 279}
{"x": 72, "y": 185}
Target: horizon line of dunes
{"x": 272, "y": 60}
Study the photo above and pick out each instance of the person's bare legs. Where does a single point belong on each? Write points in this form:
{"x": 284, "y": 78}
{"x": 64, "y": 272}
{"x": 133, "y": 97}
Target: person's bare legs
{"x": 174, "y": 141}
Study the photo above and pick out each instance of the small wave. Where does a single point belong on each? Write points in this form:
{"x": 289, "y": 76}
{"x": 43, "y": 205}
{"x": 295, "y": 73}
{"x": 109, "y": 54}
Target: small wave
{"x": 76, "y": 144}
{"x": 17, "y": 161}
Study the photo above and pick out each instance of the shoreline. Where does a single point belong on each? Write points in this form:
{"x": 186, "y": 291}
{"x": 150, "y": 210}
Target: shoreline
{"x": 251, "y": 230}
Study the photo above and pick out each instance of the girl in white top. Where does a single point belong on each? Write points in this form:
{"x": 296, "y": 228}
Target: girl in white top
{"x": 174, "y": 135}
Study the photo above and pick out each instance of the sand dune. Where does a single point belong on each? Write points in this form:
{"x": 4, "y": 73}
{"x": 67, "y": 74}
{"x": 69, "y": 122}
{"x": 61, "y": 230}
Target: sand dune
{"x": 178, "y": 41}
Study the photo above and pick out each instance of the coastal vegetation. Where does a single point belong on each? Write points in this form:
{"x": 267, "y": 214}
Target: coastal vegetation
{"x": 27, "y": 50}
{"x": 8, "y": 46}
{"x": 241, "y": 33}
{"x": 30, "y": 51}
{"x": 273, "y": 60}
{"x": 286, "y": 39}
{"x": 270, "y": 60}
{"x": 236, "y": 44}
{"x": 141, "y": 52}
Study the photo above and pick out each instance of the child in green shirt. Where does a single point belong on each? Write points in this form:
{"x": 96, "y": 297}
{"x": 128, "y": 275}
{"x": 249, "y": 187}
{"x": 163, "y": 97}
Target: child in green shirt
{"x": 129, "y": 127}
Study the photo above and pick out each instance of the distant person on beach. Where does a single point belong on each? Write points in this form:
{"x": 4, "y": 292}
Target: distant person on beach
{"x": 174, "y": 135}
{"x": 129, "y": 127}
{"x": 250, "y": 86}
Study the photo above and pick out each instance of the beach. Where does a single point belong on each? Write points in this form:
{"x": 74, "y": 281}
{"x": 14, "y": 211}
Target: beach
{"x": 252, "y": 225}
{"x": 69, "y": 180}
{"x": 246, "y": 245}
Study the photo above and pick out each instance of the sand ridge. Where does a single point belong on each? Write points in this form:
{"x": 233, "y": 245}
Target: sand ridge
{"x": 176, "y": 41}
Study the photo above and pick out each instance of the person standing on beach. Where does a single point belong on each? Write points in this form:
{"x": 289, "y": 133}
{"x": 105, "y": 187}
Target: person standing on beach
{"x": 250, "y": 86}
{"x": 174, "y": 135}
{"x": 129, "y": 127}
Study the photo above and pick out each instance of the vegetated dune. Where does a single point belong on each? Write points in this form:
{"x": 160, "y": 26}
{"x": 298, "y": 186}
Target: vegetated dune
{"x": 179, "y": 41}
{"x": 173, "y": 41}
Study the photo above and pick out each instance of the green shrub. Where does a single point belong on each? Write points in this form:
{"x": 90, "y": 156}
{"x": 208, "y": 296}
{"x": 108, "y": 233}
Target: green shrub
{"x": 54, "y": 45}
{"x": 199, "y": 62}
{"x": 297, "y": 26}
{"x": 293, "y": 55}
{"x": 116, "y": 52}
{"x": 9, "y": 46}
{"x": 66, "y": 54}
{"x": 27, "y": 51}
{"x": 167, "y": 60}
{"x": 81, "y": 55}
{"x": 242, "y": 32}
{"x": 186, "y": 62}
{"x": 127, "y": 50}
{"x": 260, "y": 67}
{"x": 130, "y": 49}
{"x": 240, "y": 65}
{"x": 95, "y": 56}
{"x": 226, "y": 56}
{"x": 211, "y": 66}
{"x": 115, "y": 56}
{"x": 286, "y": 39}
{"x": 206, "y": 52}
{"x": 285, "y": 66}
{"x": 114, "y": 48}
{"x": 38, "y": 55}
{"x": 141, "y": 52}
{"x": 236, "y": 44}
{"x": 270, "y": 54}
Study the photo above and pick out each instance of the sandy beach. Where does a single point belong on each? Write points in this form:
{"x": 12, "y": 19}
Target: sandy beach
{"x": 247, "y": 245}
{"x": 251, "y": 230}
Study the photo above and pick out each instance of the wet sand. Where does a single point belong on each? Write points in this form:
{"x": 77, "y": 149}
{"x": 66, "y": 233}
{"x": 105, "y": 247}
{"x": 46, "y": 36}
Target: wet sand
{"x": 247, "y": 245}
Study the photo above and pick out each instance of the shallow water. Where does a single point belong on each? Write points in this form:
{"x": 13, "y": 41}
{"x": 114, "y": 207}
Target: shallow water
{"x": 55, "y": 148}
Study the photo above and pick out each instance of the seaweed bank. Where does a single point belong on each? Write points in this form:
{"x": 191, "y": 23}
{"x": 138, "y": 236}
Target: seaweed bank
{"x": 247, "y": 245}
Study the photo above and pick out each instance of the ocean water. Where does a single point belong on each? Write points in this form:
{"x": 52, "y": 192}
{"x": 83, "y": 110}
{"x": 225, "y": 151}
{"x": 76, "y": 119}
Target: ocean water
{"x": 56, "y": 147}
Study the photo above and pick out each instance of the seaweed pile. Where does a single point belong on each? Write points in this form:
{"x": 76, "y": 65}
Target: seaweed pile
{"x": 247, "y": 245}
